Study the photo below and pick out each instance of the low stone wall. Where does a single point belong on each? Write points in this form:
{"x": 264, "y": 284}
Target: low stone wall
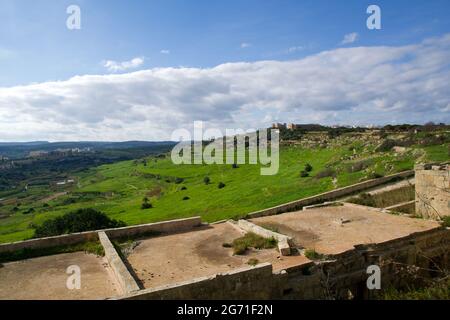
{"x": 328, "y": 196}
{"x": 63, "y": 240}
{"x": 123, "y": 276}
{"x": 171, "y": 226}
{"x": 241, "y": 284}
{"x": 405, "y": 207}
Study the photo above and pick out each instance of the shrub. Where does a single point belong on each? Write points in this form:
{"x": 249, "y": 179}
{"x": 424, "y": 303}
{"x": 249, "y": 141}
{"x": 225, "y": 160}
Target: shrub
{"x": 183, "y": 188}
{"x": 31, "y": 210}
{"x": 386, "y": 145}
{"x": 76, "y": 221}
{"x": 185, "y": 198}
{"x": 438, "y": 290}
{"x": 446, "y": 221}
{"x": 206, "y": 180}
{"x": 304, "y": 174}
{"x": 221, "y": 185}
{"x": 179, "y": 180}
{"x": 146, "y": 204}
{"x": 252, "y": 240}
{"x": 253, "y": 262}
{"x": 312, "y": 254}
{"x": 308, "y": 167}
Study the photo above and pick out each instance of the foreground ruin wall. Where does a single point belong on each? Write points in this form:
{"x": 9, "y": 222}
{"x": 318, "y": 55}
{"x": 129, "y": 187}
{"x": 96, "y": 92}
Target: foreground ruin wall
{"x": 171, "y": 226}
{"x": 433, "y": 190}
{"x": 340, "y": 277}
{"x": 402, "y": 261}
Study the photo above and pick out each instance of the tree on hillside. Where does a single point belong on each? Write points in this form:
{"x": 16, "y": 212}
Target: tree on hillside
{"x": 146, "y": 204}
{"x": 76, "y": 221}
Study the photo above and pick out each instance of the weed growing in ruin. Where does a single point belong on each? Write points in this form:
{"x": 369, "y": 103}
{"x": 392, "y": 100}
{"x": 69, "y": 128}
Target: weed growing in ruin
{"x": 446, "y": 221}
{"x": 312, "y": 254}
{"x": 253, "y": 262}
{"x": 252, "y": 240}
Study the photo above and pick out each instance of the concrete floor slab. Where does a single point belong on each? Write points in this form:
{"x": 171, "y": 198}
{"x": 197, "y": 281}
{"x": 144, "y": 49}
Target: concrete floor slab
{"x": 336, "y": 229}
{"x": 179, "y": 257}
{"x": 45, "y": 278}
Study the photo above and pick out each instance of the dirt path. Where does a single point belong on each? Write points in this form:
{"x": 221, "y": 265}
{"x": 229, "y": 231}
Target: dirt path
{"x": 53, "y": 196}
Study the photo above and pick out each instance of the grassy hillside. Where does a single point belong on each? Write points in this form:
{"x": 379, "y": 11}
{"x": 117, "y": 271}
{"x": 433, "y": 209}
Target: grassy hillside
{"x": 180, "y": 191}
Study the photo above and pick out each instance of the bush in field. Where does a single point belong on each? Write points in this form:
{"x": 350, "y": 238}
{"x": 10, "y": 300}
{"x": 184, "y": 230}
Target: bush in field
{"x": 386, "y": 145}
{"x": 146, "y": 204}
{"x": 206, "y": 180}
{"x": 308, "y": 167}
{"x": 221, "y": 185}
{"x": 76, "y": 221}
{"x": 304, "y": 174}
{"x": 186, "y": 198}
{"x": 179, "y": 180}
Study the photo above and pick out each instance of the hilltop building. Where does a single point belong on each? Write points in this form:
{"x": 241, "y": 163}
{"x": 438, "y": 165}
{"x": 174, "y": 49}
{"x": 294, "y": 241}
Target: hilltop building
{"x": 37, "y": 154}
{"x": 279, "y": 126}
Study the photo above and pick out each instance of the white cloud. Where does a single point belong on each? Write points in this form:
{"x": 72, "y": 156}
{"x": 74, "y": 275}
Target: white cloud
{"x": 350, "y": 38}
{"x": 165, "y": 51}
{"x": 362, "y": 85}
{"x": 114, "y": 66}
{"x": 245, "y": 45}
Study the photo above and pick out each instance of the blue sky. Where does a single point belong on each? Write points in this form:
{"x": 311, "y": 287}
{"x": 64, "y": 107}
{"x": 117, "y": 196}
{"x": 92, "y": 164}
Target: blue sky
{"x": 198, "y": 33}
{"x": 208, "y": 42}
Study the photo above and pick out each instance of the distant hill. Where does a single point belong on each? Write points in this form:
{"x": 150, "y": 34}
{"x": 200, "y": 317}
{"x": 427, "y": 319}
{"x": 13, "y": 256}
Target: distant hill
{"x": 22, "y": 149}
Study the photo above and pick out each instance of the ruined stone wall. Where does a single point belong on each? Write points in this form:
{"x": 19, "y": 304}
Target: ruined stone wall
{"x": 340, "y": 277}
{"x": 241, "y": 284}
{"x": 433, "y": 190}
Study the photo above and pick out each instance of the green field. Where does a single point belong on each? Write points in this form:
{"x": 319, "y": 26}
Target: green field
{"x": 118, "y": 189}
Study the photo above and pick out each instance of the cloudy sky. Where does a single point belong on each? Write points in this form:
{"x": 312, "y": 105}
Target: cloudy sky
{"x": 139, "y": 70}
